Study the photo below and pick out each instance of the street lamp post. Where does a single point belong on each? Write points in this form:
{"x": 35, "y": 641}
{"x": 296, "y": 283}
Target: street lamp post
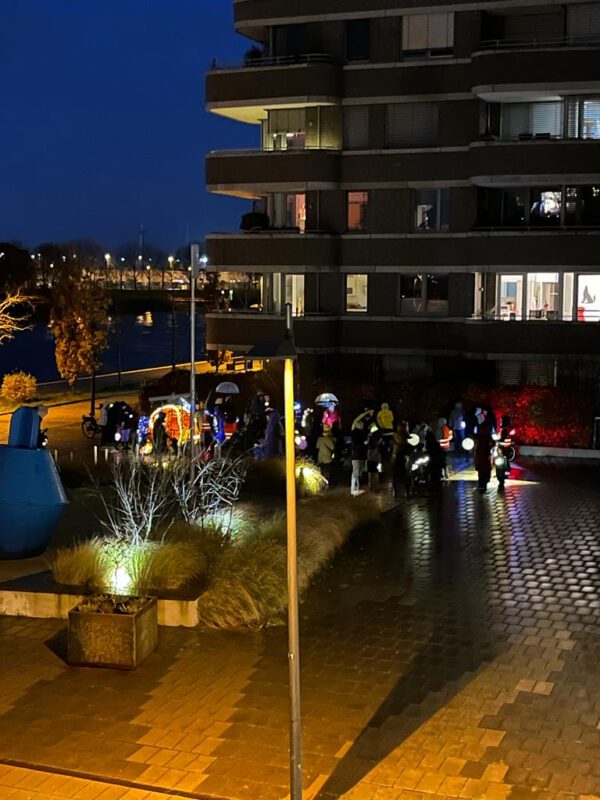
{"x": 285, "y": 351}
{"x": 107, "y": 259}
{"x": 171, "y": 259}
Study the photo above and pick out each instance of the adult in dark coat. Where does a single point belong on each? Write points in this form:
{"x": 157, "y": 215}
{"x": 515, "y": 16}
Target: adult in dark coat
{"x": 159, "y": 433}
{"x": 483, "y": 455}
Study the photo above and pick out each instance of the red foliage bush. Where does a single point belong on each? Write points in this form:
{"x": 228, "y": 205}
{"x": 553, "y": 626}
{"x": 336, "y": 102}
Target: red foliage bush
{"x": 542, "y": 415}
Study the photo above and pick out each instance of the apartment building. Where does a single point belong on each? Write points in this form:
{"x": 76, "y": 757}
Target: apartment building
{"x": 425, "y": 187}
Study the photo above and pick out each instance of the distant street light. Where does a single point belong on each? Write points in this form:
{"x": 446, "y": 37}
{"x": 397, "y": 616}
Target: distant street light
{"x": 107, "y": 259}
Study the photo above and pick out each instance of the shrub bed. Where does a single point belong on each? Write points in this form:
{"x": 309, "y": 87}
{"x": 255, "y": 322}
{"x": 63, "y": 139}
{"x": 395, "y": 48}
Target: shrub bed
{"x": 249, "y": 583}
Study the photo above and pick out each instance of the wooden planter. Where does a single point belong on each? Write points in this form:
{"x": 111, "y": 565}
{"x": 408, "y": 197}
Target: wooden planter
{"x": 121, "y": 641}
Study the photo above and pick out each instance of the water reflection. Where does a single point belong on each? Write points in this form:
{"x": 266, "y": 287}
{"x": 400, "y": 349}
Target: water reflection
{"x": 137, "y": 341}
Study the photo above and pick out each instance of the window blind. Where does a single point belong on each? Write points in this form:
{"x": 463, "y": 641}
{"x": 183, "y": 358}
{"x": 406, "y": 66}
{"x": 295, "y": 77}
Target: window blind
{"x": 583, "y": 21}
{"x": 534, "y": 118}
{"x": 428, "y": 31}
{"x": 411, "y": 124}
{"x": 356, "y": 127}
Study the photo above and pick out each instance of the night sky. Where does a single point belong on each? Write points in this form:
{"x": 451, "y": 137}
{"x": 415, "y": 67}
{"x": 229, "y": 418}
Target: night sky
{"x": 102, "y": 123}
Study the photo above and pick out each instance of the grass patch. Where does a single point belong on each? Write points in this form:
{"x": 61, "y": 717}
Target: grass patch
{"x": 249, "y": 585}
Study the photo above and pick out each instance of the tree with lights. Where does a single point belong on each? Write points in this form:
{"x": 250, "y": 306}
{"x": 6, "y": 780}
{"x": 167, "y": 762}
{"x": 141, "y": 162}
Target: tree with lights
{"x": 79, "y": 322}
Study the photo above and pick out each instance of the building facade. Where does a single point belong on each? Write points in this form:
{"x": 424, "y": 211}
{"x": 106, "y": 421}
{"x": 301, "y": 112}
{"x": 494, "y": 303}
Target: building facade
{"x": 425, "y": 186}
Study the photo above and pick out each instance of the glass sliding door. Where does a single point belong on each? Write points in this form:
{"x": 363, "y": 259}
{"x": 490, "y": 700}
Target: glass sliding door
{"x": 510, "y": 301}
{"x": 294, "y": 293}
{"x": 588, "y": 298}
{"x": 542, "y": 295}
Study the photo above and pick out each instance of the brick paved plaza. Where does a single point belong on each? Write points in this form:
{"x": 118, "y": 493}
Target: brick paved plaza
{"x": 453, "y": 652}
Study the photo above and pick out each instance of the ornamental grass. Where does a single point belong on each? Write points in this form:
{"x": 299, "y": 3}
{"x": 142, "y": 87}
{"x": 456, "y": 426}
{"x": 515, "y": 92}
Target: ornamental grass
{"x": 249, "y": 584}
{"x": 266, "y": 476}
{"x": 104, "y": 564}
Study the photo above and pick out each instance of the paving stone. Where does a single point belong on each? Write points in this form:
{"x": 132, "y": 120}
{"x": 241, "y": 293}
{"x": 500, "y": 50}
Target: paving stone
{"x": 450, "y": 652}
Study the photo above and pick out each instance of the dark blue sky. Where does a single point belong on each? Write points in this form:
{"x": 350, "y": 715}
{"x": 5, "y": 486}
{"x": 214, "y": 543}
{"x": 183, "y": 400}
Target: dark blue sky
{"x": 102, "y": 122}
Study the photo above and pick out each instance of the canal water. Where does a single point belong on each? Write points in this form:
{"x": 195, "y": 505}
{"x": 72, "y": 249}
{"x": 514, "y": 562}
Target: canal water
{"x": 136, "y": 341}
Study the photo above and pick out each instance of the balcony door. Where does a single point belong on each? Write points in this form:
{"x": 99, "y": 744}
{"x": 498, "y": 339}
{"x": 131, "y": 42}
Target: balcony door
{"x": 510, "y": 301}
{"x": 294, "y": 294}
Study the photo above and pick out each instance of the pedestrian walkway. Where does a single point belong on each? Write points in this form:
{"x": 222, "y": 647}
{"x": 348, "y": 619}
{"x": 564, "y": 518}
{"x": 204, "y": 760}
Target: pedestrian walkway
{"x": 18, "y": 783}
{"x": 450, "y": 652}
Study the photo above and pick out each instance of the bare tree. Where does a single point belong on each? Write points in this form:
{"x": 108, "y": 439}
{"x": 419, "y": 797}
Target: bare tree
{"x": 147, "y": 497}
{"x": 15, "y": 311}
{"x": 211, "y": 492}
{"x": 140, "y": 503}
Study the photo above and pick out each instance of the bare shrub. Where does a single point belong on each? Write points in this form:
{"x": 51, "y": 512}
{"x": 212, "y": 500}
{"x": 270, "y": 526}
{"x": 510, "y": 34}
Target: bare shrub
{"x": 210, "y": 493}
{"x": 140, "y": 501}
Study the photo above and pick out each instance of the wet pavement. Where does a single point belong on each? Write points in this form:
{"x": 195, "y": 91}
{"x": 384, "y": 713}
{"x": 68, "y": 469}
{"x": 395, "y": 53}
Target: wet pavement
{"x": 450, "y": 652}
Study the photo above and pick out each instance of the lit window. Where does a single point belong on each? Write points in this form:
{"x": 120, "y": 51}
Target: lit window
{"x": 285, "y": 129}
{"x": 510, "y": 297}
{"x": 296, "y": 211}
{"x": 568, "y": 296}
{"x": 588, "y": 298}
{"x": 356, "y": 212}
{"x": 356, "y": 292}
{"x": 546, "y": 207}
{"x": 428, "y": 34}
{"x": 542, "y": 295}
{"x": 294, "y": 293}
{"x": 431, "y": 209}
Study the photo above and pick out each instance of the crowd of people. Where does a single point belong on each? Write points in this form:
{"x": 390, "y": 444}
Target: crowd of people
{"x": 414, "y": 453}
{"x": 377, "y": 441}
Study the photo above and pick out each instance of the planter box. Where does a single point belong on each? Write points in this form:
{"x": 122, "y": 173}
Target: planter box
{"x": 122, "y": 641}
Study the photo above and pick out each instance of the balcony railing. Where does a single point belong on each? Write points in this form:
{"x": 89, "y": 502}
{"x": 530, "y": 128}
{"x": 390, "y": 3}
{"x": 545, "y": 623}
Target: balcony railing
{"x": 275, "y": 61}
{"x": 535, "y": 42}
{"x": 287, "y": 151}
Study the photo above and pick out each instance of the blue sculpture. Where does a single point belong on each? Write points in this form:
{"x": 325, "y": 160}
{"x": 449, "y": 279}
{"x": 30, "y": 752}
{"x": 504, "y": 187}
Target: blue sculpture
{"x": 32, "y": 497}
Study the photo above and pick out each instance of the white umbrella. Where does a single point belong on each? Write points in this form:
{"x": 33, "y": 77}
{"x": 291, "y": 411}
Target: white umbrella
{"x": 326, "y": 399}
{"x": 227, "y": 387}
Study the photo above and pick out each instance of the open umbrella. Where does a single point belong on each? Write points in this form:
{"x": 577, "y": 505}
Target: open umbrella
{"x": 326, "y": 399}
{"x": 227, "y": 387}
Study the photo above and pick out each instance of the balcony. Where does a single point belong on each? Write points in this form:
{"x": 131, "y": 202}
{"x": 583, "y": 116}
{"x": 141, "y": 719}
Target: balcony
{"x": 436, "y": 76}
{"x": 272, "y": 250}
{"x": 243, "y": 92}
{"x": 470, "y": 338}
{"x": 475, "y": 250}
{"x": 240, "y": 330}
{"x": 528, "y": 162}
{"x": 252, "y": 173}
{"x": 508, "y": 69}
